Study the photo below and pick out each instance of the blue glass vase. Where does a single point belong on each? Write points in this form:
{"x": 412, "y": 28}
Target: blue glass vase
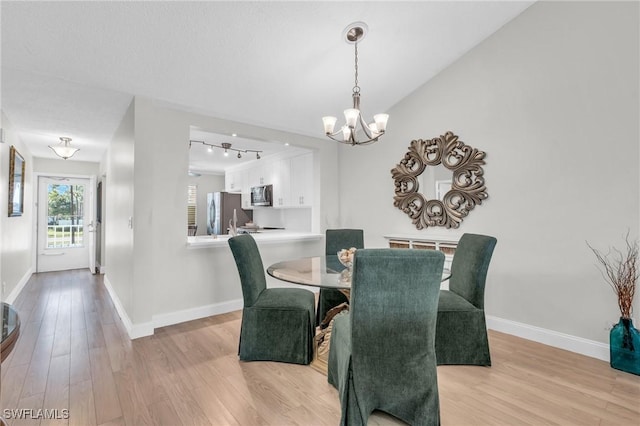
{"x": 624, "y": 347}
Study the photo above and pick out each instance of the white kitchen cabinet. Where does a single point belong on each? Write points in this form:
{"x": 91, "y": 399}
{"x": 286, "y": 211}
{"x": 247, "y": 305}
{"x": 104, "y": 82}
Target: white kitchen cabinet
{"x": 246, "y": 200}
{"x": 259, "y": 174}
{"x": 292, "y": 180}
{"x": 281, "y": 180}
{"x": 302, "y": 181}
{"x": 236, "y": 181}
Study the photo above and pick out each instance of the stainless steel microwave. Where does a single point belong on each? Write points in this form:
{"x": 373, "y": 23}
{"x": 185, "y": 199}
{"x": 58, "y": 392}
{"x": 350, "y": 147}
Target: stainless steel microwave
{"x": 262, "y": 195}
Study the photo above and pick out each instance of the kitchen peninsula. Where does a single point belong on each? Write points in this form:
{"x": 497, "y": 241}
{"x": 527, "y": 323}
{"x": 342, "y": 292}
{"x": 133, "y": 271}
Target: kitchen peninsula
{"x": 267, "y": 237}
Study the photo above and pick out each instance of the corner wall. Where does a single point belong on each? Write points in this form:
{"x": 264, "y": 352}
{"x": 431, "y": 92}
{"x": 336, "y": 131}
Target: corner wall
{"x": 552, "y": 98}
{"x": 118, "y": 205}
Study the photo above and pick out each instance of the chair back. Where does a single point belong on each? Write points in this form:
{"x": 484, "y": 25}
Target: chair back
{"x": 469, "y": 267}
{"x": 191, "y": 230}
{"x": 247, "y": 256}
{"x": 338, "y": 239}
{"x": 394, "y": 306}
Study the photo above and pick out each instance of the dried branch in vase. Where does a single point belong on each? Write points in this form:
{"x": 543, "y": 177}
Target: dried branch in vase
{"x": 620, "y": 270}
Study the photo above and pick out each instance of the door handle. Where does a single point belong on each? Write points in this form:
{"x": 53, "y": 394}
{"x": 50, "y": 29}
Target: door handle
{"x": 52, "y": 254}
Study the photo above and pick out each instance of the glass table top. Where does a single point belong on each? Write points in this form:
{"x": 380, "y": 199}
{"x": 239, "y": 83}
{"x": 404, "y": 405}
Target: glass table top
{"x": 319, "y": 271}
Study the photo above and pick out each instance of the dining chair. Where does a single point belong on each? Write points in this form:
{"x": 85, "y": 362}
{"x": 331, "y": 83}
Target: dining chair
{"x": 461, "y": 333}
{"x": 336, "y": 240}
{"x": 277, "y": 323}
{"x": 382, "y": 354}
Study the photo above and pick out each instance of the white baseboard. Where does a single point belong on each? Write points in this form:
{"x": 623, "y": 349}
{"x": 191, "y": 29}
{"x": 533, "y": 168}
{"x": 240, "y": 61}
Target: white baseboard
{"x": 18, "y": 288}
{"x": 590, "y": 348}
{"x": 147, "y": 329}
{"x": 134, "y": 330}
{"x": 163, "y": 320}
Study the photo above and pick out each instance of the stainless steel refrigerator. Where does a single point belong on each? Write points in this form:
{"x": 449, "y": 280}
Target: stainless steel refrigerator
{"x": 220, "y": 206}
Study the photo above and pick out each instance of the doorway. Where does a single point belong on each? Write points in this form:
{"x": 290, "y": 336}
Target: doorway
{"x": 65, "y": 224}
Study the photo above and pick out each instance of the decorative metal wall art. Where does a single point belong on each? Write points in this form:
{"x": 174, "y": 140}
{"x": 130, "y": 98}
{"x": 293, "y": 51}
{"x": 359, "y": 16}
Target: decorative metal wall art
{"x": 467, "y": 184}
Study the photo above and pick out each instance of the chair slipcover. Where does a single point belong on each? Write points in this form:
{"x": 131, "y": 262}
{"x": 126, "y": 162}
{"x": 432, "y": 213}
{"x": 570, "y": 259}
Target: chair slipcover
{"x": 336, "y": 240}
{"x": 277, "y": 323}
{"x": 382, "y": 354}
{"x": 461, "y": 334}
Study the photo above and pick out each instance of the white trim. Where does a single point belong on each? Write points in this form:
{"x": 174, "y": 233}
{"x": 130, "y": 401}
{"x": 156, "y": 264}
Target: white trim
{"x": 147, "y": 329}
{"x": 133, "y": 330}
{"x": 18, "y": 288}
{"x": 163, "y": 320}
{"x": 590, "y": 348}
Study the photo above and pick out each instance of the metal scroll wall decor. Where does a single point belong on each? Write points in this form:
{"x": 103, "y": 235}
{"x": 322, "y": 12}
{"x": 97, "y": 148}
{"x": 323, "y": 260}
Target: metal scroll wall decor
{"x": 467, "y": 183}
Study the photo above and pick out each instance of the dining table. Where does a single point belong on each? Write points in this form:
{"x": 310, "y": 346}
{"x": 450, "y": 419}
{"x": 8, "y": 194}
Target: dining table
{"x": 322, "y": 272}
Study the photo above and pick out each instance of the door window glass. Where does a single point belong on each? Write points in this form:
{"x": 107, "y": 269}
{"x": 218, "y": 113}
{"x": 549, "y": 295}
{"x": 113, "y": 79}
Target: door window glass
{"x": 65, "y": 227}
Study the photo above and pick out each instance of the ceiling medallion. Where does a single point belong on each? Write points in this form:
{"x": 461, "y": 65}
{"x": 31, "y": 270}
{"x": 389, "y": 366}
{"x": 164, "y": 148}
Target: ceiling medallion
{"x": 467, "y": 183}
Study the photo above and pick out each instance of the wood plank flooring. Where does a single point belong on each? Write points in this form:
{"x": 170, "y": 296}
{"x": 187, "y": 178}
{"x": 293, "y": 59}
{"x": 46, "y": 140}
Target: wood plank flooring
{"x": 73, "y": 353}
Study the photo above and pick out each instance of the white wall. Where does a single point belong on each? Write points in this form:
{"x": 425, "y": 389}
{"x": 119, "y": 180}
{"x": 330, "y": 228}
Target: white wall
{"x": 118, "y": 209}
{"x": 16, "y": 248}
{"x": 154, "y": 275}
{"x": 206, "y": 183}
{"x": 552, "y": 98}
{"x": 65, "y": 167}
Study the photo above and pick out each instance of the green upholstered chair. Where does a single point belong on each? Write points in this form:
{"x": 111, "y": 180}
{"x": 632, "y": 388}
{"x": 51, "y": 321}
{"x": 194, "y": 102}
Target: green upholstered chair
{"x": 336, "y": 240}
{"x": 277, "y": 323}
{"x": 461, "y": 334}
{"x": 382, "y": 354}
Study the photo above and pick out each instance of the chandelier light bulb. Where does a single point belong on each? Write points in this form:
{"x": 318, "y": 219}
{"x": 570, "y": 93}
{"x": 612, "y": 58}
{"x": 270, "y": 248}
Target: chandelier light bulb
{"x": 351, "y": 117}
{"x": 329, "y": 124}
{"x": 346, "y": 133}
{"x": 381, "y": 121}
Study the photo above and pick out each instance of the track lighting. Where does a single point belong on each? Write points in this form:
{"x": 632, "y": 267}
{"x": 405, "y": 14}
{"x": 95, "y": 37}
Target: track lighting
{"x": 227, "y": 147}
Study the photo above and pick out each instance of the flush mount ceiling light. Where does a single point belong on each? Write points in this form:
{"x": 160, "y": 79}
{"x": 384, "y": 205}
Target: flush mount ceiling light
{"x": 227, "y": 147}
{"x": 354, "y": 33}
{"x": 63, "y": 150}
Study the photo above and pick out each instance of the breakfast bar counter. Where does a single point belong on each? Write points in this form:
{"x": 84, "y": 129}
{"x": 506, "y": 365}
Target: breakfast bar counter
{"x": 266, "y": 237}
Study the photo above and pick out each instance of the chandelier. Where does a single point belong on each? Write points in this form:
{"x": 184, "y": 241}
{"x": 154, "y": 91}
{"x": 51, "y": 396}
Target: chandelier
{"x": 354, "y": 33}
{"x": 63, "y": 150}
{"x": 227, "y": 147}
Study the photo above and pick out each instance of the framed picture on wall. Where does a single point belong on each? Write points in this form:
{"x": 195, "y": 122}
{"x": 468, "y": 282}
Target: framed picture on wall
{"x": 16, "y": 183}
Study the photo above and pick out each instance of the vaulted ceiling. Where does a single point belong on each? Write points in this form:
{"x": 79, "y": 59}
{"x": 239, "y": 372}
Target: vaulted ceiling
{"x": 72, "y": 68}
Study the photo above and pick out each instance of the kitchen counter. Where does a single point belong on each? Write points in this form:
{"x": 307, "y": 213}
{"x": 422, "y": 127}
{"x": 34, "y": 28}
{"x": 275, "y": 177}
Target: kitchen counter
{"x": 264, "y": 237}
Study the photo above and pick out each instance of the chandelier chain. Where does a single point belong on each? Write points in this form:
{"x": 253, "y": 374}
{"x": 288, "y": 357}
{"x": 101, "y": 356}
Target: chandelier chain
{"x": 356, "y": 88}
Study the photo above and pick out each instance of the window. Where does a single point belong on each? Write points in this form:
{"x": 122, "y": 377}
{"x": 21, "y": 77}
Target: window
{"x": 192, "y": 217}
{"x": 65, "y": 213}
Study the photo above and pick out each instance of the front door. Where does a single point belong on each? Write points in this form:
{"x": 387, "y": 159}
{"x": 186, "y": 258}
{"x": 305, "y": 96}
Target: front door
{"x": 65, "y": 230}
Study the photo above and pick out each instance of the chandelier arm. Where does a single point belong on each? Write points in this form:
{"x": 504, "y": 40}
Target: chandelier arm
{"x": 365, "y": 127}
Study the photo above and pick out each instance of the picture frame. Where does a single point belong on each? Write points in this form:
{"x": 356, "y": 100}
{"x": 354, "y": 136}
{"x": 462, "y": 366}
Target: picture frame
{"x": 16, "y": 182}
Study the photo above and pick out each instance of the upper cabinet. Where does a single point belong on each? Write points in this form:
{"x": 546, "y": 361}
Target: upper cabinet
{"x": 291, "y": 177}
{"x": 302, "y": 180}
{"x": 236, "y": 181}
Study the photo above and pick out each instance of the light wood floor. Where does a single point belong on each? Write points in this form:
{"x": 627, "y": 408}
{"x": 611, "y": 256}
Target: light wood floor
{"x": 73, "y": 353}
